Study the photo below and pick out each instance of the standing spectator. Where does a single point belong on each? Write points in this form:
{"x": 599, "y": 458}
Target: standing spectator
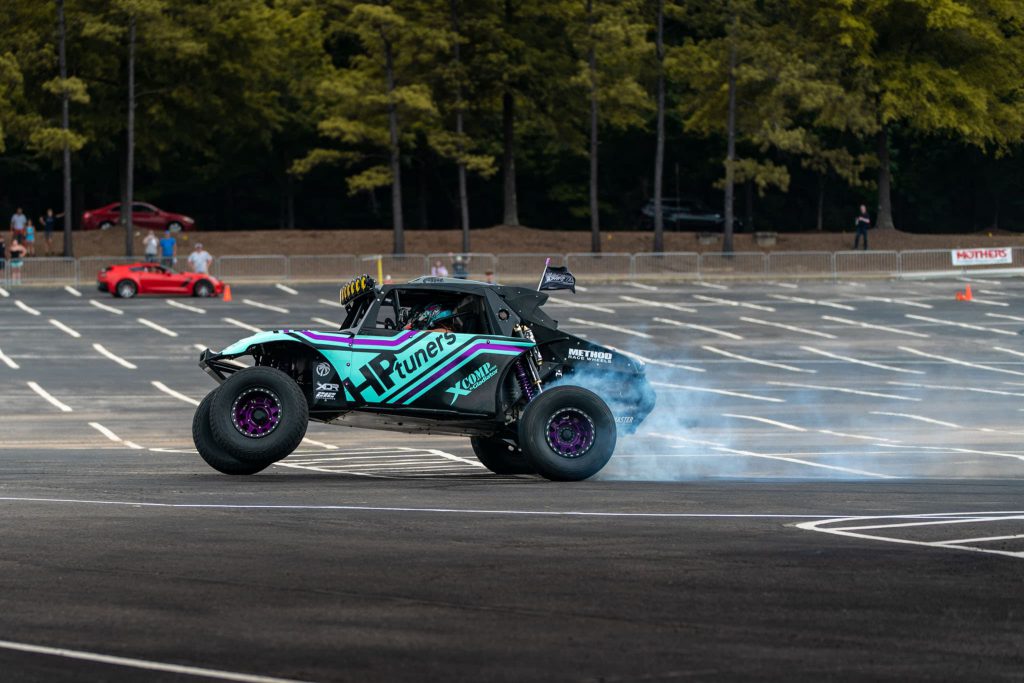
{"x": 17, "y": 260}
{"x": 30, "y": 238}
{"x": 150, "y": 244}
{"x": 18, "y": 224}
{"x": 49, "y": 222}
{"x": 168, "y": 250}
{"x": 3, "y": 256}
{"x": 862, "y": 223}
{"x": 460, "y": 267}
{"x": 200, "y": 259}
{"x": 438, "y": 269}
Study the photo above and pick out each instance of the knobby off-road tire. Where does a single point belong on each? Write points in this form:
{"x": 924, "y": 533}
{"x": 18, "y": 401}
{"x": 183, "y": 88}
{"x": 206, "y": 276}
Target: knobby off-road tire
{"x": 259, "y": 415}
{"x": 211, "y": 451}
{"x": 496, "y": 456}
{"x": 567, "y": 433}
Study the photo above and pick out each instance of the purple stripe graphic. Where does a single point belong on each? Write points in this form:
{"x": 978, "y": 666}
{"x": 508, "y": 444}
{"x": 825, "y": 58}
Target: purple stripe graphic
{"x": 489, "y": 346}
{"x": 359, "y": 342}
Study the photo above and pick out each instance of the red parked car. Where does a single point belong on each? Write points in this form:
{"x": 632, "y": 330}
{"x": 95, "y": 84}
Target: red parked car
{"x": 126, "y": 281}
{"x": 144, "y": 216}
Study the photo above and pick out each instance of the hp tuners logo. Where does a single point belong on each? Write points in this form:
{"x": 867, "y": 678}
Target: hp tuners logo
{"x": 466, "y": 385}
{"x": 592, "y": 356}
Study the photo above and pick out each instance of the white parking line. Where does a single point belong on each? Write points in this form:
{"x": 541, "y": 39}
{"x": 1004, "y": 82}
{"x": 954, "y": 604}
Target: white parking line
{"x": 63, "y": 407}
{"x": 176, "y": 394}
{"x": 791, "y": 328}
{"x": 4, "y": 293}
{"x": 709, "y": 285}
{"x": 990, "y": 303}
{"x": 660, "y": 304}
{"x": 25, "y": 307}
{"x": 1009, "y": 351}
{"x": 844, "y": 390}
{"x": 267, "y": 307}
{"x": 857, "y": 361}
{"x": 244, "y": 326}
{"x": 613, "y": 328}
{"x": 72, "y": 291}
{"x": 966, "y": 326}
{"x": 577, "y": 304}
{"x": 787, "y": 285}
{"x": 324, "y": 321}
{"x": 1015, "y": 318}
{"x": 8, "y": 361}
{"x": 813, "y": 302}
{"x": 185, "y": 307}
{"x": 729, "y": 302}
{"x": 159, "y": 328}
{"x": 286, "y": 288}
{"x": 722, "y": 392}
{"x": 955, "y": 361}
{"x": 748, "y": 359}
{"x": 117, "y": 359}
{"x": 701, "y": 328}
{"x": 319, "y": 444}
{"x": 145, "y": 664}
{"x": 654, "y": 361}
{"x": 883, "y": 328}
{"x": 946, "y": 387}
{"x": 764, "y": 420}
{"x": 639, "y": 285}
{"x": 918, "y": 418}
{"x": 901, "y": 302}
{"x": 111, "y": 309}
{"x": 64, "y": 328}
{"x": 328, "y": 302}
{"x": 105, "y": 432}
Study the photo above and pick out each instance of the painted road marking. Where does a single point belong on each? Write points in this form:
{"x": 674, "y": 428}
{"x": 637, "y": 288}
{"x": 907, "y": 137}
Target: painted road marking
{"x": 955, "y": 361}
{"x": 105, "y": 432}
{"x": 185, "y": 307}
{"x": 324, "y": 321}
{"x": 25, "y": 307}
{"x": 870, "y": 364}
{"x": 576, "y": 304}
{"x": 966, "y": 326}
{"x": 638, "y": 285}
{"x": 4, "y": 293}
{"x": 654, "y": 361}
{"x": 267, "y": 307}
{"x": 661, "y": 304}
{"x": 844, "y": 390}
{"x": 286, "y": 288}
{"x": 8, "y": 361}
{"x": 787, "y": 285}
{"x": 171, "y": 392}
{"x": 748, "y": 359}
{"x": 971, "y": 451}
{"x": 1009, "y": 351}
{"x": 328, "y": 302}
{"x": 145, "y": 664}
{"x": 901, "y": 302}
{"x": 883, "y": 328}
{"x": 722, "y": 392}
{"x": 813, "y": 302}
{"x": 1015, "y": 318}
{"x": 111, "y": 309}
{"x": 63, "y": 407}
{"x": 613, "y": 328}
{"x": 857, "y": 436}
{"x": 709, "y": 285}
{"x": 239, "y": 323}
{"x": 919, "y": 418}
{"x": 319, "y": 444}
{"x": 701, "y": 328}
{"x": 727, "y": 302}
{"x": 72, "y": 291}
{"x": 764, "y": 420}
{"x": 159, "y": 328}
{"x": 117, "y": 359}
{"x": 64, "y": 328}
{"x": 946, "y": 387}
{"x": 791, "y": 328}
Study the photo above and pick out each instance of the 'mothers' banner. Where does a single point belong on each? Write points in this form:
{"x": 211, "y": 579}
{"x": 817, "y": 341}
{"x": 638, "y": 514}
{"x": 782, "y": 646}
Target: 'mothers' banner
{"x": 982, "y": 257}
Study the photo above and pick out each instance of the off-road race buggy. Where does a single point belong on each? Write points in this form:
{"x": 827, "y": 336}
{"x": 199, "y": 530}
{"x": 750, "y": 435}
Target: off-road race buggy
{"x": 436, "y": 356}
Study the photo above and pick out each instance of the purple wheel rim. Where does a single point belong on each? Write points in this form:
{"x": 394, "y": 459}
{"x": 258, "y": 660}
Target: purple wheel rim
{"x": 256, "y": 412}
{"x": 570, "y": 432}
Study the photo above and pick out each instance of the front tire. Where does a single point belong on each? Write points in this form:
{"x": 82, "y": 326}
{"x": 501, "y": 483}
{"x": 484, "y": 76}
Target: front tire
{"x": 500, "y": 457}
{"x": 259, "y": 415}
{"x": 212, "y": 452}
{"x": 106, "y": 225}
{"x": 567, "y": 433}
{"x": 202, "y": 289}
{"x": 126, "y": 289}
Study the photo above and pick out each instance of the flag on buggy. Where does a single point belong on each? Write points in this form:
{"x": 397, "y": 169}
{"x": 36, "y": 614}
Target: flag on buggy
{"x": 557, "y": 277}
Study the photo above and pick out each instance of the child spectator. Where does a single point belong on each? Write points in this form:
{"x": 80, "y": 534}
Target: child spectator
{"x": 30, "y": 238}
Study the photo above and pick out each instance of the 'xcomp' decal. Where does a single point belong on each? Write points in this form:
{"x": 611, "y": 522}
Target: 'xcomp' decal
{"x": 466, "y": 385}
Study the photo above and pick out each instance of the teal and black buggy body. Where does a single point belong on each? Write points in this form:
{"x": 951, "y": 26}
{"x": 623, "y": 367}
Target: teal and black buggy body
{"x": 435, "y": 355}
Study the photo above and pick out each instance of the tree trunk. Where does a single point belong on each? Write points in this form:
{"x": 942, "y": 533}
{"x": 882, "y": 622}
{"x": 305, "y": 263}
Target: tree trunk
{"x": 289, "y": 202}
{"x": 396, "y": 152}
{"x": 748, "y": 216}
{"x": 423, "y": 217}
{"x": 595, "y": 219}
{"x": 64, "y": 125}
{"x": 659, "y": 150}
{"x": 463, "y": 195}
{"x": 821, "y": 202}
{"x": 508, "y": 162}
{"x": 884, "y": 218}
{"x": 129, "y": 177}
{"x": 730, "y": 156}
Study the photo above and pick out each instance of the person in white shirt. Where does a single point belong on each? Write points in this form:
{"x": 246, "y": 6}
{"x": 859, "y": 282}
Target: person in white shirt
{"x": 200, "y": 259}
{"x": 151, "y": 243}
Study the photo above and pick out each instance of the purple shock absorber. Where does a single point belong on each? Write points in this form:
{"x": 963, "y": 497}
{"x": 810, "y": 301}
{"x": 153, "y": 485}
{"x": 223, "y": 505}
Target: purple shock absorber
{"x": 524, "y": 381}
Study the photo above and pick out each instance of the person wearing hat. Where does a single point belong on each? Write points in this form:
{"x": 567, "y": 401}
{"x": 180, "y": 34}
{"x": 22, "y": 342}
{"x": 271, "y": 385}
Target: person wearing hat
{"x": 200, "y": 259}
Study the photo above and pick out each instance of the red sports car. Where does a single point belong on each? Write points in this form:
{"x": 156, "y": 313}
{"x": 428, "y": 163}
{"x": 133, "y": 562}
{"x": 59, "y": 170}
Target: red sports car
{"x": 144, "y": 216}
{"x": 128, "y": 280}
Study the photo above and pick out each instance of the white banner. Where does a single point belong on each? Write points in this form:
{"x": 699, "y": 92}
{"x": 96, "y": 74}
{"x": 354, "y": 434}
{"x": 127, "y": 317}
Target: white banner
{"x": 982, "y": 257}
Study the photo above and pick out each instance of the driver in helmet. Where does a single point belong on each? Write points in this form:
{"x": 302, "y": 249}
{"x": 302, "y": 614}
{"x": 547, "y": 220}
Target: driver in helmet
{"x": 433, "y": 318}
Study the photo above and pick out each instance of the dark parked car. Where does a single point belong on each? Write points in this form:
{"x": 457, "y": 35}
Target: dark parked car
{"x": 685, "y": 214}
{"x": 144, "y": 216}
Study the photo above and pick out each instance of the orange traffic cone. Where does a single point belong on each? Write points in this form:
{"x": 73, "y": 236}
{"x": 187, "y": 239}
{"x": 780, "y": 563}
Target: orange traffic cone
{"x": 967, "y": 295}
{"x": 227, "y": 292}
{"x": 959, "y": 296}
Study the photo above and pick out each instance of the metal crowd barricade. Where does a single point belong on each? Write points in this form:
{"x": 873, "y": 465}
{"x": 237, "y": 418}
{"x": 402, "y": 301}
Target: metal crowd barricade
{"x": 669, "y": 265}
{"x": 524, "y": 268}
{"x": 611, "y": 266}
{"x": 738, "y": 264}
{"x": 46, "y": 271}
{"x": 252, "y": 268}
{"x": 867, "y": 264}
{"x": 394, "y": 267}
{"x": 476, "y": 265}
{"x": 327, "y": 268}
{"x": 800, "y": 264}
{"x": 927, "y": 261}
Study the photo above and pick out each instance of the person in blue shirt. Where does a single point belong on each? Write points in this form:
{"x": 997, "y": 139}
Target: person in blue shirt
{"x": 168, "y": 250}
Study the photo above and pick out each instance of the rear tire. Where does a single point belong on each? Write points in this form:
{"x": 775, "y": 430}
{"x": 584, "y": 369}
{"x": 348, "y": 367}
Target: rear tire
{"x": 126, "y": 289}
{"x": 567, "y": 433}
{"x": 259, "y": 415}
{"x": 202, "y": 289}
{"x": 174, "y": 226}
{"x": 499, "y": 457}
{"x": 211, "y": 451}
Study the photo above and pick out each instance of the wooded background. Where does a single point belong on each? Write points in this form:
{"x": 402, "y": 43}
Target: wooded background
{"x": 450, "y": 113}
